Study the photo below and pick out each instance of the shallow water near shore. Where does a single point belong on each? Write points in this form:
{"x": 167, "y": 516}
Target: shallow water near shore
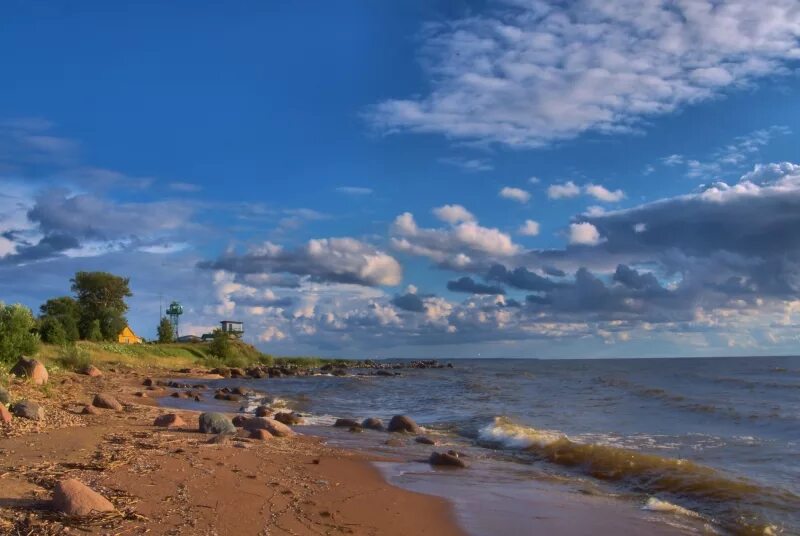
{"x": 701, "y": 444}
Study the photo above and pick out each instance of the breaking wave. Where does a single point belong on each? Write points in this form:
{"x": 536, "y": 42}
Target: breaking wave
{"x": 701, "y": 487}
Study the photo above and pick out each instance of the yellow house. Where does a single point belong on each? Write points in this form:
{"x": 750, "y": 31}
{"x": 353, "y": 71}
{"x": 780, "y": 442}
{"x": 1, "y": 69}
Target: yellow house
{"x": 127, "y": 336}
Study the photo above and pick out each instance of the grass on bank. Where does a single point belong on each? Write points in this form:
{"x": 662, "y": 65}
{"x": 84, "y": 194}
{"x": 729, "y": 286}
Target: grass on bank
{"x": 168, "y": 356}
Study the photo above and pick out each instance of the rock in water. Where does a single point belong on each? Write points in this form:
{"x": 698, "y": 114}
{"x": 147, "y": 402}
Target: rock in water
{"x": 345, "y": 423}
{"x": 76, "y": 499}
{"x": 5, "y": 415}
{"x": 447, "y": 459}
{"x": 263, "y": 411}
{"x": 31, "y": 368}
{"x": 5, "y": 396}
{"x": 403, "y": 423}
{"x": 170, "y": 420}
{"x": 92, "y": 371}
{"x": 372, "y": 423}
{"x": 425, "y": 440}
{"x": 106, "y": 401}
{"x": 289, "y": 418}
{"x": 28, "y": 410}
{"x": 216, "y": 423}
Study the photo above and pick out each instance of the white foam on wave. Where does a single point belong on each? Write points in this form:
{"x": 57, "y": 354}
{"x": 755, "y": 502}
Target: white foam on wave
{"x": 516, "y": 436}
{"x": 654, "y": 504}
{"x": 318, "y": 420}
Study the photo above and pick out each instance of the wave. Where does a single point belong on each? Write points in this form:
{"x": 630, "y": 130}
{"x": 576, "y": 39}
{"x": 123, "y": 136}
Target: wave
{"x": 654, "y": 504}
{"x": 725, "y": 497}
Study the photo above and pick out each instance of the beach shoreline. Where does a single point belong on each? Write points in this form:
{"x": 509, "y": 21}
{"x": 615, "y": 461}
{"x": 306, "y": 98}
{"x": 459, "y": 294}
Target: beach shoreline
{"x": 172, "y": 481}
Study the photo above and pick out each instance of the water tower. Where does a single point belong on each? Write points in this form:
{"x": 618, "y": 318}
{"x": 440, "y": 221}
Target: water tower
{"x": 174, "y": 312}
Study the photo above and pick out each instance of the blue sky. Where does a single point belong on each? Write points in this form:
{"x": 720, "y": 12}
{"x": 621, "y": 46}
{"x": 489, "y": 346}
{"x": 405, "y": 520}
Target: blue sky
{"x": 414, "y": 178}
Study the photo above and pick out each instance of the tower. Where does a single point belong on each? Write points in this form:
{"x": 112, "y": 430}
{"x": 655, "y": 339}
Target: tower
{"x": 174, "y": 312}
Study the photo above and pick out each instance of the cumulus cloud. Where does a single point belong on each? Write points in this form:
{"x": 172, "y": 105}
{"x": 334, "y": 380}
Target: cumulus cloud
{"x": 601, "y": 193}
{"x": 561, "y": 191}
{"x": 584, "y": 234}
{"x": 453, "y": 214}
{"x": 515, "y": 194}
{"x": 338, "y": 260}
{"x": 458, "y": 246}
{"x": 528, "y": 74}
{"x": 529, "y": 228}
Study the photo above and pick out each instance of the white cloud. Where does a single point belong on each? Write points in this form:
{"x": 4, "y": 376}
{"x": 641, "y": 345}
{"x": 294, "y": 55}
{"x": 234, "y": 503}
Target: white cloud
{"x": 561, "y": 191}
{"x": 515, "y": 194}
{"x": 529, "y": 228}
{"x": 602, "y": 194}
{"x": 530, "y": 73}
{"x": 584, "y": 234}
{"x": 468, "y": 164}
{"x": 453, "y": 214}
{"x": 534, "y": 180}
{"x": 354, "y": 190}
{"x": 457, "y": 246}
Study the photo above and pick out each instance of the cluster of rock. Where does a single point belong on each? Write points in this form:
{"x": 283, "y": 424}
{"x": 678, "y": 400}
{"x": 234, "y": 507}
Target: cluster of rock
{"x": 254, "y": 427}
{"x": 261, "y": 371}
{"x": 403, "y": 424}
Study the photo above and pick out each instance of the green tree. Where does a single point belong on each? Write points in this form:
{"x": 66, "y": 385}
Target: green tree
{"x": 220, "y": 346}
{"x": 101, "y": 297}
{"x": 64, "y": 310}
{"x": 94, "y": 333}
{"x": 17, "y": 332}
{"x": 51, "y": 330}
{"x": 166, "y": 333}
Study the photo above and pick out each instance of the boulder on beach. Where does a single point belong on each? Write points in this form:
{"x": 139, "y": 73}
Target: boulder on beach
{"x": 31, "y": 368}
{"x": 274, "y": 427}
{"x": 92, "y": 371}
{"x": 5, "y": 396}
{"x": 346, "y": 423}
{"x": 170, "y": 420}
{"x": 394, "y": 442}
{"x": 216, "y": 423}
{"x": 74, "y": 498}
{"x": 449, "y": 459}
{"x": 90, "y": 410}
{"x": 106, "y": 401}
{"x": 425, "y": 440}
{"x": 28, "y": 409}
{"x": 239, "y": 420}
{"x": 5, "y": 415}
{"x": 372, "y": 423}
{"x": 290, "y": 419}
{"x": 403, "y": 423}
{"x": 263, "y": 411}
{"x": 261, "y": 435}
{"x": 148, "y": 382}
{"x": 242, "y": 391}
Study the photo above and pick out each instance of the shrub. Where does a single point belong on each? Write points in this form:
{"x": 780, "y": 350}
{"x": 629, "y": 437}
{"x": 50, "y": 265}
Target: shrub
{"x": 17, "y": 335}
{"x": 74, "y": 358}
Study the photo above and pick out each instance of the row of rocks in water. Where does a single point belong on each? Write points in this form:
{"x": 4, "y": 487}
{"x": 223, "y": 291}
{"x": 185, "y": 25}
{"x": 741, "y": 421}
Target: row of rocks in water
{"x": 336, "y": 369}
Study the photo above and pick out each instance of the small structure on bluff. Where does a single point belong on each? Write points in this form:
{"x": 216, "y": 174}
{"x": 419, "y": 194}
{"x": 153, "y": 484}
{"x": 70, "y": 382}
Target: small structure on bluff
{"x": 232, "y": 327}
{"x": 127, "y": 336}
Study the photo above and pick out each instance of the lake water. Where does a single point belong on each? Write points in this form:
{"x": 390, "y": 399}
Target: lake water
{"x": 712, "y": 443}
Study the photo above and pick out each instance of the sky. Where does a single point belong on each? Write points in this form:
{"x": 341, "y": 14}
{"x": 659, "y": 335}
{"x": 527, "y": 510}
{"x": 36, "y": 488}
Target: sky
{"x": 508, "y": 178}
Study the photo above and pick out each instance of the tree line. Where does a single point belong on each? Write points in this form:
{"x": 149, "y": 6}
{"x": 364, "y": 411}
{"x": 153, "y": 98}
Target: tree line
{"x": 95, "y": 312}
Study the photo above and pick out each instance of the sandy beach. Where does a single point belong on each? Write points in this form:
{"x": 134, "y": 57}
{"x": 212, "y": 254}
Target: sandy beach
{"x": 175, "y": 482}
